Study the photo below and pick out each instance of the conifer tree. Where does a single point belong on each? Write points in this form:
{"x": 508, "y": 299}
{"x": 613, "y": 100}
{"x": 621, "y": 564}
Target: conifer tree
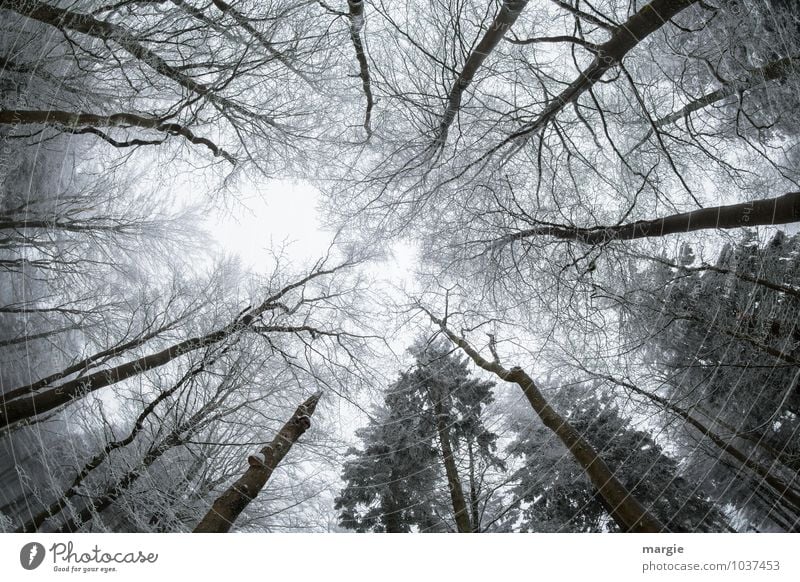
{"x": 428, "y": 431}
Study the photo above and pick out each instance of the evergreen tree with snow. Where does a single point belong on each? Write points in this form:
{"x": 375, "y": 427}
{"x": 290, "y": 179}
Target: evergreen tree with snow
{"x": 430, "y": 430}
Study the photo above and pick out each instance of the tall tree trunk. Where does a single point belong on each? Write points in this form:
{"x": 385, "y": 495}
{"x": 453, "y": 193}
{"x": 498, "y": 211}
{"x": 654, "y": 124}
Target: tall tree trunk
{"x": 87, "y": 363}
{"x": 29, "y": 405}
{"x": 473, "y": 491}
{"x": 625, "y": 509}
{"x": 783, "y": 209}
{"x": 453, "y": 482}
{"x": 231, "y": 503}
{"x": 502, "y": 23}
{"x": 356, "y": 16}
{"x": 35, "y": 336}
{"x": 623, "y": 39}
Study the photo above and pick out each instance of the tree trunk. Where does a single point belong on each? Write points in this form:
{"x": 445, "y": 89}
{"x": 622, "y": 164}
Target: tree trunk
{"x": 391, "y": 514}
{"x": 453, "y": 482}
{"x": 231, "y": 503}
{"x": 72, "y": 122}
{"x": 356, "y": 16}
{"x": 625, "y": 37}
{"x": 29, "y": 405}
{"x": 783, "y": 209}
{"x": 624, "y": 508}
{"x": 87, "y": 363}
{"x": 505, "y": 19}
{"x": 473, "y": 491}
{"x": 36, "y": 336}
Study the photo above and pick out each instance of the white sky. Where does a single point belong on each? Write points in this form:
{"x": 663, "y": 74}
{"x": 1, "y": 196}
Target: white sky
{"x": 269, "y": 215}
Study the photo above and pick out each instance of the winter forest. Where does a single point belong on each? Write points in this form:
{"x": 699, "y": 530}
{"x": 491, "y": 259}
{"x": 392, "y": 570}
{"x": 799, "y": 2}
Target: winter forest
{"x": 518, "y": 266}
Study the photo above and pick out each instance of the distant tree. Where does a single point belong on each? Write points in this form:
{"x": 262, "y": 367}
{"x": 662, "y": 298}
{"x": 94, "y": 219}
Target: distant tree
{"x": 391, "y": 483}
{"x": 432, "y": 417}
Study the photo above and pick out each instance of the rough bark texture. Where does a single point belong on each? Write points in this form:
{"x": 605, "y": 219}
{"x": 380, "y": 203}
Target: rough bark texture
{"x": 231, "y": 503}
{"x": 623, "y": 507}
{"x": 783, "y": 209}
{"x": 505, "y": 19}
{"x": 460, "y": 511}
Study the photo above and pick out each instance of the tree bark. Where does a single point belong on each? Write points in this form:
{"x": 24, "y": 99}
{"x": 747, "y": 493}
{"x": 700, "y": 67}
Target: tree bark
{"x": 87, "y": 363}
{"x": 29, "y": 405}
{"x": 231, "y": 503}
{"x": 73, "y": 121}
{"x": 473, "y": 491}
{"x": 356, "y": 16}
{"x": 35, "y": 336}
{"x": 505, "y": 19}
{"x": 460, "y": 511}
{"x": 623, "y": 39}
{"x": 783, "y": 209}
{"x": 625, "y": 509}
{"x": 392, "y": 511}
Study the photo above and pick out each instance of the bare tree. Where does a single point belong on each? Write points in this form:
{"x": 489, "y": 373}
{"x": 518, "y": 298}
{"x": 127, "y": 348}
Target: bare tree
{"x": 625, "y": 509}
{"x": 224, "y": 84}
{"x": 48, "y": 397}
